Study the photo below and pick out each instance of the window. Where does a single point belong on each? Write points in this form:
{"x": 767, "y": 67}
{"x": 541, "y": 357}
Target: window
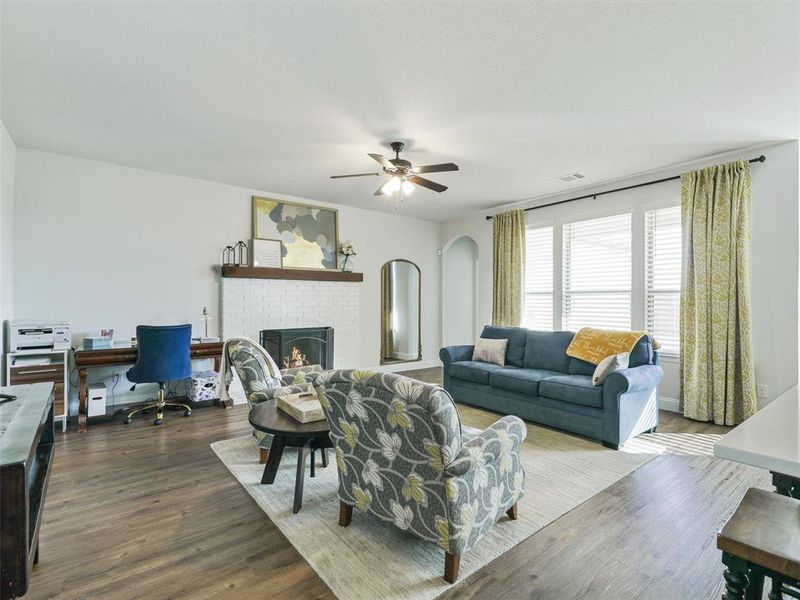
{"x": 597, "y": 273}
{"x": 538, "y": 307}
{"x": 663, "y": 276}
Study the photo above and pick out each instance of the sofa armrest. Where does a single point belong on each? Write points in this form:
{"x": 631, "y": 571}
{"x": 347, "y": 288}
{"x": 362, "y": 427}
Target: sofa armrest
{"x": 451, "y": 354}
{"x": 492, "y": 445}
{"x": 633, "y": 380}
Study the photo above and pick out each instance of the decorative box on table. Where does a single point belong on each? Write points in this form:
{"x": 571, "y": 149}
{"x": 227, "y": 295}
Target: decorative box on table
{"x": 304, "y": 407}
{"x": 97, "y": 342}
{"x": 203, "y": 386}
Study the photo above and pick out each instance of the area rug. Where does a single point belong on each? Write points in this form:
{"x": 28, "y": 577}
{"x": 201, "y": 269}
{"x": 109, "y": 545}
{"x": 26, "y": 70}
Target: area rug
{"x": 371, "y": 559}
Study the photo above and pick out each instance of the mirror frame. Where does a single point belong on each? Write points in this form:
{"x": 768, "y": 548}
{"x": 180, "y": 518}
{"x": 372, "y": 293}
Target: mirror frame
{"x": 390, "y": 361}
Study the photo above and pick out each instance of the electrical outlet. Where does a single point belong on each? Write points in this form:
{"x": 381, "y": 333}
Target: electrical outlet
{"x": 762, "y": 390}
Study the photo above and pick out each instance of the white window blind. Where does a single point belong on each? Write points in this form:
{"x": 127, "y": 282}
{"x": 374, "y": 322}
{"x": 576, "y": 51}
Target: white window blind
{"x": 538, "y": 308}
{"x": 597, "y": 273}
{"x": 663, "y": 276}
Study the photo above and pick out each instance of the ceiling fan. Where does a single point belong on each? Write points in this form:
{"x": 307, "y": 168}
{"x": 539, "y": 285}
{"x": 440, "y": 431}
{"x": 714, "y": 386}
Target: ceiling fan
{"x": 403, "y": 176}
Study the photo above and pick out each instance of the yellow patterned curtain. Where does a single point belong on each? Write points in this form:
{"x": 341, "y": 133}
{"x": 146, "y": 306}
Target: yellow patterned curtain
{"x": 508, "y": 267}
{"x": 716, "y": 353}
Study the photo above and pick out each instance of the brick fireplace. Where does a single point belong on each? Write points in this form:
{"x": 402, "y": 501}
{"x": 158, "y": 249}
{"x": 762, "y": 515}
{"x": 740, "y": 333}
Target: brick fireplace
{"x": 269, "y": 299}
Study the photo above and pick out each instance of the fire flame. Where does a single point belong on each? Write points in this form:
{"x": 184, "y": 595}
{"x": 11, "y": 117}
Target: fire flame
{"x": 297, "y": 359}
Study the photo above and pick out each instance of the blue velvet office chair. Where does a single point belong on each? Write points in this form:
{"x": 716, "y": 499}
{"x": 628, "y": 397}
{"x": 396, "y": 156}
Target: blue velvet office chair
{"x": 163, "y": 356}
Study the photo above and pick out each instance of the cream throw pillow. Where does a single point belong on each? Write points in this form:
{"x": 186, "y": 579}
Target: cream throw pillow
{"x": 491, "y": 351}
{"x": 615, "y": 362}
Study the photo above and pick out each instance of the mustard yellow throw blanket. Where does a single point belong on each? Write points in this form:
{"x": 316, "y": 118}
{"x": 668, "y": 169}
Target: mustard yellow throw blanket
{"x": 593, "y": 345}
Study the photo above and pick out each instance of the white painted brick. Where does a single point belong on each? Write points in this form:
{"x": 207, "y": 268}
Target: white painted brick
{"x": 249, "y": 305}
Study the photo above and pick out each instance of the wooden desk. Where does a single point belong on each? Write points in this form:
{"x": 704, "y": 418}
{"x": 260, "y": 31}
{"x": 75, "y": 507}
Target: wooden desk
{"x": 770, "y": 440}
{"x": 125, "y": 354}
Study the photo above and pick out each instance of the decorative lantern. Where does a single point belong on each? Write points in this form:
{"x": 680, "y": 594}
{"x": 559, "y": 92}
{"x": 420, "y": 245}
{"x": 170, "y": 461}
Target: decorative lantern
{"x": 229, "y": 256}
{"x": 241, "y": 249}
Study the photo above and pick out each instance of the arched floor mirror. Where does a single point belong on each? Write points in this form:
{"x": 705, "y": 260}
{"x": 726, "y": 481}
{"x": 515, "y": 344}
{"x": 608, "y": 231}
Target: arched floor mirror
{"x": 400, "y": 312}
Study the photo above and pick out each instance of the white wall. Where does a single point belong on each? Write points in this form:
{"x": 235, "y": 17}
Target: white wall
{"x": 8, "y": 155}
{"x": 459, "y": 287}
{"x": 774, "y": 252}
{"x": 101, "y": 245}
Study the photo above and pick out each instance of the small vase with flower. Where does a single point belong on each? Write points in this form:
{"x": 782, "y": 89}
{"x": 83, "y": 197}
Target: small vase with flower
{"x": 347, "y": 250}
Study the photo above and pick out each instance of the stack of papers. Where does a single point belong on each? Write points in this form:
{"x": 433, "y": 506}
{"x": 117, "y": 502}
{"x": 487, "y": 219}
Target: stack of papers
{"x": 34, "y": 361}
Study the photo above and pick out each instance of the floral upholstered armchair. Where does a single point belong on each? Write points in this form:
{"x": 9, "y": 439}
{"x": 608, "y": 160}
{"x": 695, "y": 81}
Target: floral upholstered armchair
{"x": 261, "y": 378}
{"x": 403, "y": 456}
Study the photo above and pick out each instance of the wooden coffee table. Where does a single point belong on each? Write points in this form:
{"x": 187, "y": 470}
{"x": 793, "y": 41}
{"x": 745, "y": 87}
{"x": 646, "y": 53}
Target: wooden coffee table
{"x": 288, "y": 432}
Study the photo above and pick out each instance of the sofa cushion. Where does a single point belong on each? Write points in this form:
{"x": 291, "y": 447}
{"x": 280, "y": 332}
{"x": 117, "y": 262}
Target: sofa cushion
{"x": 516, "y": 341}
{"x": 576, "y": 389}
{"x": 473, "y": 370}
{"x": 642, "y": 354}
{"x": 547, "y": 350}
{"x": 580, "y": 367}
{"x": 524, "y": 381}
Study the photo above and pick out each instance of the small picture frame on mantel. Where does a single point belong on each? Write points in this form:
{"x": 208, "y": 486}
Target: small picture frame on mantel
{"x": 267, "y": 253}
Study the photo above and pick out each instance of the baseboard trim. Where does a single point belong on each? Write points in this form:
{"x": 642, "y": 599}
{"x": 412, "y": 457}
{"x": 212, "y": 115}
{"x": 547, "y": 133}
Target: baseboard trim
{"x": 670, "y": 404}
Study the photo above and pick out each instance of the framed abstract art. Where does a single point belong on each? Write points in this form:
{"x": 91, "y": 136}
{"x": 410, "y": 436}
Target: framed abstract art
{"x": 309, "y": 234}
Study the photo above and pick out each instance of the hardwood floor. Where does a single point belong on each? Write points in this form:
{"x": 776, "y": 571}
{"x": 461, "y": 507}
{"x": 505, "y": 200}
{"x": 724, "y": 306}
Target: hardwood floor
{"x": 143, "y": 512}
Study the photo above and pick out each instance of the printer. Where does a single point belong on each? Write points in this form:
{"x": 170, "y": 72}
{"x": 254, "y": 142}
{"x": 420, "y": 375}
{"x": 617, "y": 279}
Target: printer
{"x": 38, "y": 336}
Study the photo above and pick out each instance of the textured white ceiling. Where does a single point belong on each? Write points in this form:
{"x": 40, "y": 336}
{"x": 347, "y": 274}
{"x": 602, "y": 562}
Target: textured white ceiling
{"x": 279, "y": 96}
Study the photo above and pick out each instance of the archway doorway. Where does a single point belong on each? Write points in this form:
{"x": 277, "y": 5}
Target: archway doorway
{"x": 459, "y": 291}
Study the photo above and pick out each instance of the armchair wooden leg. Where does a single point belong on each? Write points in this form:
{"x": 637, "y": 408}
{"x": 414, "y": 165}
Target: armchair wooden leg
{"x": 345, "y": 514}
{"x": 512, "y": 512}
{"x": 451, "y": 563}
{"x": 263, "y": 455}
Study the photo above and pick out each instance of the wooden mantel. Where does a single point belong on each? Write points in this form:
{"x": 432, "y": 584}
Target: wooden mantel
{"x": 296, "y": 274}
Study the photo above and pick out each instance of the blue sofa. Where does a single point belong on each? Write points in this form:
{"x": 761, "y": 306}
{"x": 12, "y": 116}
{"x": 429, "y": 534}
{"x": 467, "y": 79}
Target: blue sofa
{"x": 540, "y": 383}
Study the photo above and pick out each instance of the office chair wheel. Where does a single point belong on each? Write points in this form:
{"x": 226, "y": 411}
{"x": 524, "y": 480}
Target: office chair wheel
{"x": 187, "y": 413}
{"x": 128, "y": 421}
{"x": 156, "y": 421}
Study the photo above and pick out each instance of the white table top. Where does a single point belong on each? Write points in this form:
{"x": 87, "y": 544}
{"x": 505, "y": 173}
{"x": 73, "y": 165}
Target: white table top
{"x": 770, "y": 439}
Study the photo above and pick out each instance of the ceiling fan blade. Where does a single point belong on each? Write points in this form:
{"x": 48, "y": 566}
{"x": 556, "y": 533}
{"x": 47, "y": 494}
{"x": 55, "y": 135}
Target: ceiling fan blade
{"x": 355, "y": 175}
{"x": 379, "y": 191}
{"x": 440, "y": 168}
{"x": 427, "y": 183}
{"x": 383, "y": 161}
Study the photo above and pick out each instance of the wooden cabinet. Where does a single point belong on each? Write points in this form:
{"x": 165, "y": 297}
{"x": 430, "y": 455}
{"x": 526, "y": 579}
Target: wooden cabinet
{"x": 26, "y": 436}
{"x": 57, "y": 373}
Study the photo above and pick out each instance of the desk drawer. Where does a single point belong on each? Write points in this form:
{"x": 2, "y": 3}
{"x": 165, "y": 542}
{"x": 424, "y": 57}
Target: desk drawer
{"x": 37, "y": 373}
{"x": 43, "y": 373}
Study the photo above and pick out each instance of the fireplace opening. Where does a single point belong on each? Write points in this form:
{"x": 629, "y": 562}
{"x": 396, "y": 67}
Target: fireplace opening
{"x": 299, "y": 347}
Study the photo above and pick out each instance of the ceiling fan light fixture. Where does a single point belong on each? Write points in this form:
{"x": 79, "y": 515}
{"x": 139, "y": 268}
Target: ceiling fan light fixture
{"x": 391, "y": 186}
{"x": 403, "y": 176}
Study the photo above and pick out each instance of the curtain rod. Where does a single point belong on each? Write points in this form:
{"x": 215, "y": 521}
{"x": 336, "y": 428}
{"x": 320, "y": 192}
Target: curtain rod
{"x": 759, "y": 159}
